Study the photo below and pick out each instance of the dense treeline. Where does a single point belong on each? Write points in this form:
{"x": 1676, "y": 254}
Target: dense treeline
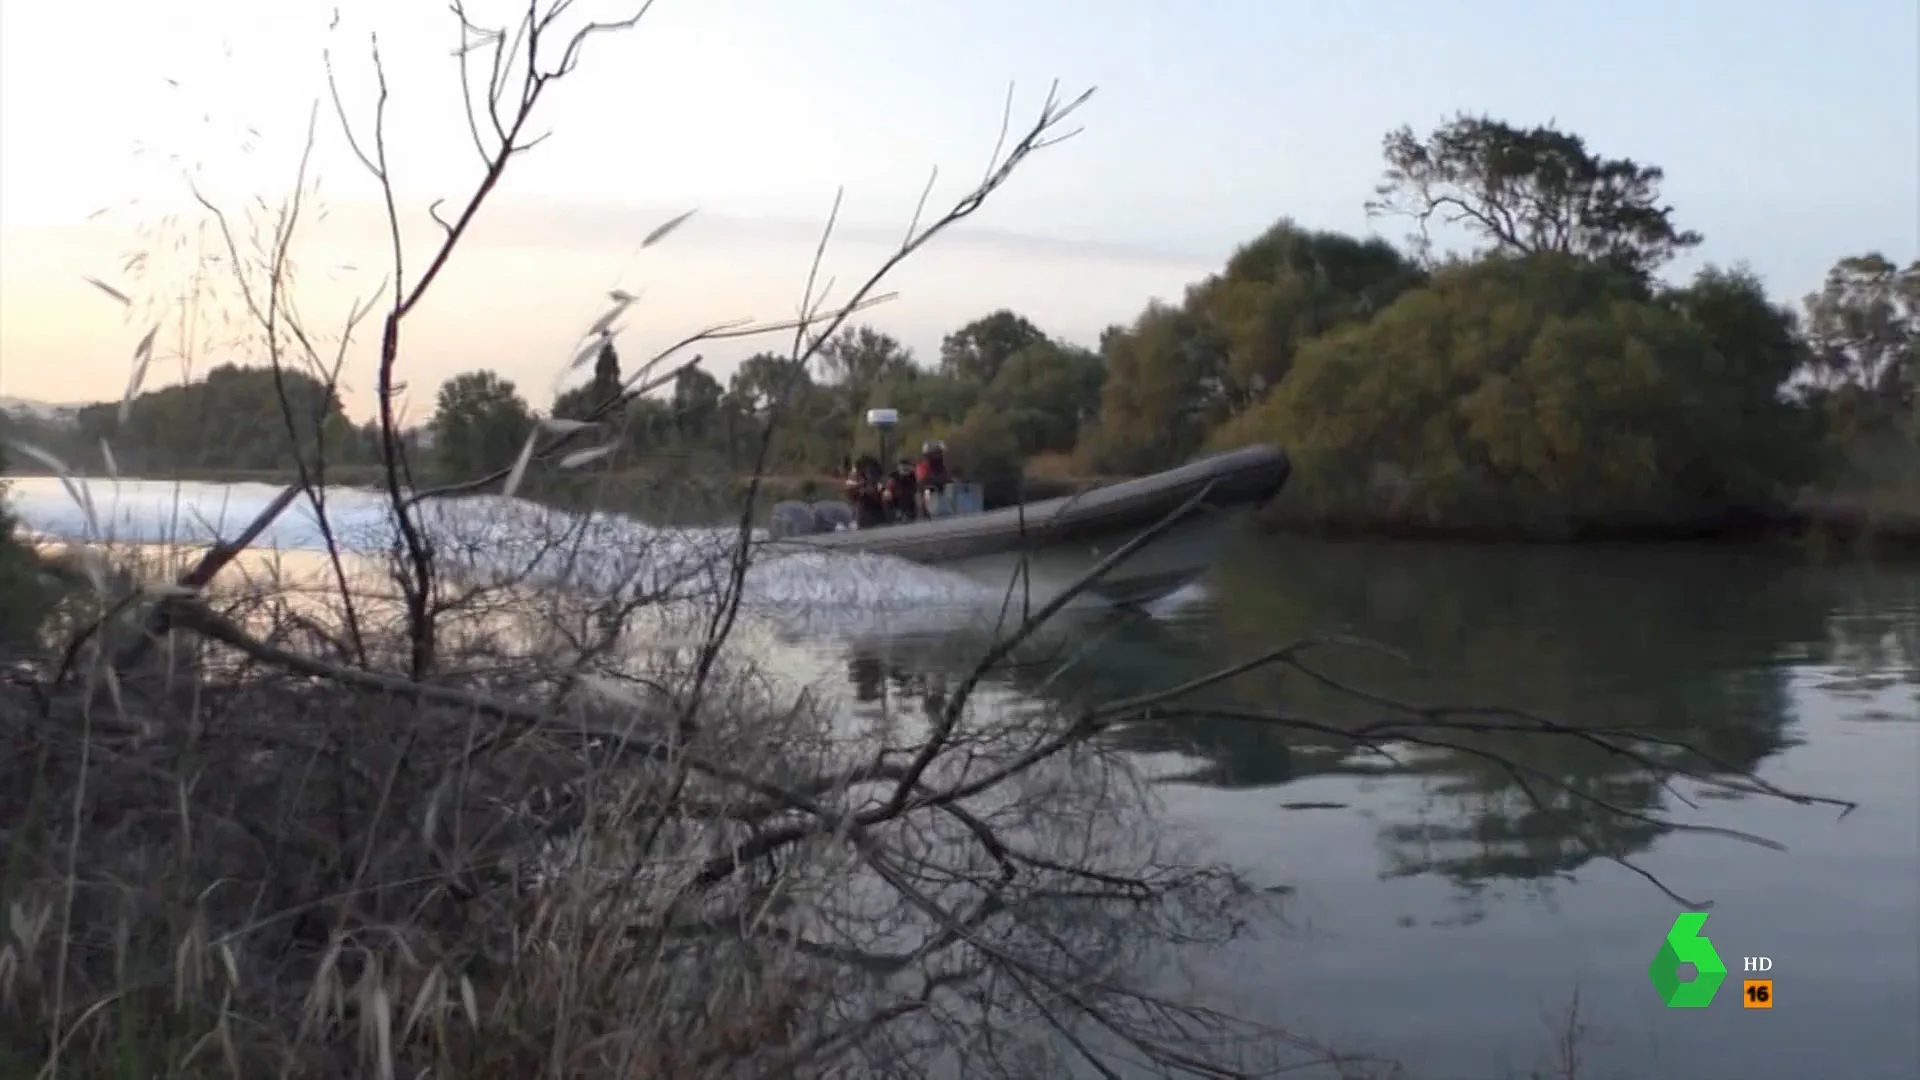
{"x": 1001, "y": 393}
{"x": 234, "y": 419}
{"x": 1542, "y": 377}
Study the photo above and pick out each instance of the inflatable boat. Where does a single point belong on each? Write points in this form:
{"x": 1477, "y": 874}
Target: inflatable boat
{"x": 1051, "y": 543}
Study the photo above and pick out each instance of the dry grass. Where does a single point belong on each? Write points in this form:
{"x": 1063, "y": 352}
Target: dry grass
{"x": 571, "y": 854}
{"x": 220, "y": 817}
{"x": 221, "y": 869}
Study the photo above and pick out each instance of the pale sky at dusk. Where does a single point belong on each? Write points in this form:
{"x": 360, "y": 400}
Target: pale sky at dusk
{"x": 1790, "y": 134}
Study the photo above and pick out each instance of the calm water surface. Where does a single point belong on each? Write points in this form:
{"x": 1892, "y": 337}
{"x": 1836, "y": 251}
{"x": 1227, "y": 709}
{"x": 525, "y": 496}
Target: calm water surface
{"x": 1437, "y": 915}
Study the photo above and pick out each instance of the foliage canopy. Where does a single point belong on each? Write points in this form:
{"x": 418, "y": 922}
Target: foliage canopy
{"x": 1543, "y": 380}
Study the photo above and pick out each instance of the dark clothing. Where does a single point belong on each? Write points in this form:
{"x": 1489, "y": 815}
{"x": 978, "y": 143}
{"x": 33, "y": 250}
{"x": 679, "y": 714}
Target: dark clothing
{"x": 863, "y": 487}
{"x": 902, "y": 494}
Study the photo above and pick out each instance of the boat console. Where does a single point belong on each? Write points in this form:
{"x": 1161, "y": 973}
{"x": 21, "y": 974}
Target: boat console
{"x": 956, "y": 498}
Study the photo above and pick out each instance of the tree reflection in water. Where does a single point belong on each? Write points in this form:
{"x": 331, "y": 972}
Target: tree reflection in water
{"x": 1690, "y": 652}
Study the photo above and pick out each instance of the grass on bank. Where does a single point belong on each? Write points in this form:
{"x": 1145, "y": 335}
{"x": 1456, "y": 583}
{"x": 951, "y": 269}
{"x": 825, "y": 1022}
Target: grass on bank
{"x": 247, "y": 882}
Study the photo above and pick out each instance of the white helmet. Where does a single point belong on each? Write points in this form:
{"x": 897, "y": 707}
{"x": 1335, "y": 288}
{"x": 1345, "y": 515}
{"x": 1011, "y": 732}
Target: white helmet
{"x": 933, "y": 446}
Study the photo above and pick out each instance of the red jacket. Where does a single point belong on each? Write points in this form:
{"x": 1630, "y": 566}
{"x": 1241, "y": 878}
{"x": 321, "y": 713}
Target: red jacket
{"x": 930, "y": 473}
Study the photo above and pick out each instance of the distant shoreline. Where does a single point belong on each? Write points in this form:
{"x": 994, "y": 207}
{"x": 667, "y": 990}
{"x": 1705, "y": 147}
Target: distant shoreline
{"x": 1829, "y": 521}
{"x": 1822, "y": 522}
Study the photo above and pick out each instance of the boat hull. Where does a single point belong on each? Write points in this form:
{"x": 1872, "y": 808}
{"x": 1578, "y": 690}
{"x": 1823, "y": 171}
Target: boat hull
{"x": 1058, "y": 540}
{"x": 1177, "y": 558}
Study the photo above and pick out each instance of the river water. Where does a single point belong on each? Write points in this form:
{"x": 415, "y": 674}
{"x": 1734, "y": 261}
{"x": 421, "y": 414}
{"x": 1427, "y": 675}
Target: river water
{"x": 1436, "y": 914}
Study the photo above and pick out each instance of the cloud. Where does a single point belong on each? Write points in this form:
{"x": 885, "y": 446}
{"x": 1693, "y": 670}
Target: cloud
{"x": 534, "y": 274}
{"x": 598, "y": 225}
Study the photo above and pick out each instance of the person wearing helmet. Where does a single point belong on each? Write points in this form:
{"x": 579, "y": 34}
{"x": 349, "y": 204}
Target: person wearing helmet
{"x": 930, "y": 474}
{"x": 932, "y": 468}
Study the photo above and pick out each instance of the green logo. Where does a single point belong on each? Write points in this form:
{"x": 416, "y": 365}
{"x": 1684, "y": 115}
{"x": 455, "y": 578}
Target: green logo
{"x": 1685, "y": 945}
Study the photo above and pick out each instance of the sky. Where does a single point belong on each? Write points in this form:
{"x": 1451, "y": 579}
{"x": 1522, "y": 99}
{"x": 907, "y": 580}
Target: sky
{"x": 1790, "y": 135}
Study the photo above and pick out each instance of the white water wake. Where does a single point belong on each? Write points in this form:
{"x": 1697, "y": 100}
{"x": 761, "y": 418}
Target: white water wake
{"x": 488, "y": 535}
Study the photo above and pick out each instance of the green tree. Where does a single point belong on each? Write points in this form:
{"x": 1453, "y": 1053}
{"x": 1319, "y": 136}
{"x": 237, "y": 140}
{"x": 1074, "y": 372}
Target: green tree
{"x": 1863, "y": 367}
{"x": 651, "y": 425}
{"x": 985, "y": 449}
{"x": 1179, "y": 372}
{"x": 696, "y": 405}
{"x": 479, "y": 423}
{"x": 1288, "y": 286}
{"x": 581, "y": 402}
{"x": 1530, "y": 191}
{"x": 977, "y": 350}
{"x": 930, "y": 398}
{"x": 63, "y": 440}
{"x": 764, "y": 378}
{"x": 859, "y": 357}
{"x": 367, "y": 442}
{"x": 1864, "y": 326}
{"x": 812, "y": 430}
{"x": 1759, "y": 439}
{"x": 235, "y": 418}
{"x": 1045, "y": 393}
{"x": 1536, "y": 392}
{"x": 1165, "y": 389}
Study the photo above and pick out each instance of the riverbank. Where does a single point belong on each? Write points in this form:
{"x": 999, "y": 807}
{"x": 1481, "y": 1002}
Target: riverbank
{"x": 1881, "y": 521}
{"x": 686, "y": 492}
{"x": 1872, "y": 523}
{"x": 1878, "y": 524}
{"x": 688, "y": 495}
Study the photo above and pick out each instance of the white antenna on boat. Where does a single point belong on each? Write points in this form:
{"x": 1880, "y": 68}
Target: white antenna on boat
{"x": 884, "y": 421}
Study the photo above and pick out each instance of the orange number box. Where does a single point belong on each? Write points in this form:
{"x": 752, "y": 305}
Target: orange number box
{"x": 1757, "y": 994}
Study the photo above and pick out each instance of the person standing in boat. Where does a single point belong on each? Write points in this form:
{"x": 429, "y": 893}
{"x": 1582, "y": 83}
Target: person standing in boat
{"x": 902, "y": 492}
{"x": 863, "y": 487}
{"x": 930, "y": 475}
